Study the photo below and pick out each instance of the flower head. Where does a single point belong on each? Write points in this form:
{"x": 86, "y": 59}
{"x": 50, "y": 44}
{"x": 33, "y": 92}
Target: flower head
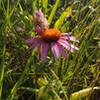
{"x": 52, "y": 38}
{"x": 40, "y": 21}
{"x": 50, "y": 35}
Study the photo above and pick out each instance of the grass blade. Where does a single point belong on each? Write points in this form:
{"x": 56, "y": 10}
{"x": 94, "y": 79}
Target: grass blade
{"x": 65, "y": 14}
{"x": 45, "y": 4}
{"x": 20, "y": 81}
{"x": 52, "y": 14}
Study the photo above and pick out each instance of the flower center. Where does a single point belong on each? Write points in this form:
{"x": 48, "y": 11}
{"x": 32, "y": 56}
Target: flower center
{"x": 50, "y": 35}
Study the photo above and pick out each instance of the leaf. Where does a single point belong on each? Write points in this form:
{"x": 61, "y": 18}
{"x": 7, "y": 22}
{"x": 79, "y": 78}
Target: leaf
{"x": 52, "y": 14}
{"x": 1, "y": 80}
{"x": 45, "y": 4}
{"x": 65, "y": 14}
{"x": 34, "y": 5}
{"x": 83, "y": 93}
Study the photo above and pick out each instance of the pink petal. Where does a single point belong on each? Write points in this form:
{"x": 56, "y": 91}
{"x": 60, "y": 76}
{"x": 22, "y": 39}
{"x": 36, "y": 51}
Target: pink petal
{"x": 65, "y": 44}
{"x": 72, "y": 38}
{"x": 44, "y": 51}
{"x": 65, "y": 33}
{"x": 55, "y": 50}
{"x": 69, "y": 37}
{"x": 74, "y": 47}
{"x": 34, "y": 42}
{"x": 62, "y": 51}
{"x": 30, "y": 41}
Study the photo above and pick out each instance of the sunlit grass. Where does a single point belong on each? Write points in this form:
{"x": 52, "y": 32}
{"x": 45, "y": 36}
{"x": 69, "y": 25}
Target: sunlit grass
{"x": 22, "y": 76}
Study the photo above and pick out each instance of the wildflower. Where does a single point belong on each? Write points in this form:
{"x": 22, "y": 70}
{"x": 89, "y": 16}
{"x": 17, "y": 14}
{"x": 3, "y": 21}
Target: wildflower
{"x": 51, "y": 38}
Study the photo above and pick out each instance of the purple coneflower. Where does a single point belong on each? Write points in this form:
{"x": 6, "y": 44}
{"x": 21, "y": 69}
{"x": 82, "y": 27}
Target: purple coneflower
{"x": 51, "y": 38}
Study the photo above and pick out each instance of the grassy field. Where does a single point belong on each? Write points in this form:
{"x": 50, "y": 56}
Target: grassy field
{"x": 23, "y": 77}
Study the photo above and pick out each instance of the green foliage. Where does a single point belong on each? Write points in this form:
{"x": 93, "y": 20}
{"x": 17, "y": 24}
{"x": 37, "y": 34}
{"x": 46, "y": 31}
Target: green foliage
{"x": 65, "y": 14}
{"x": 52, "y": 14}
{"x": 45, "y": 4}
{"x": 22, "y": 76}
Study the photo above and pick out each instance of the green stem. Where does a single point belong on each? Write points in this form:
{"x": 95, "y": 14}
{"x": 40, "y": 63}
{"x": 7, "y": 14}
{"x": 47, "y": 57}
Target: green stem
{"x": 60, "y": 83}
{"x": 2, "y": 71}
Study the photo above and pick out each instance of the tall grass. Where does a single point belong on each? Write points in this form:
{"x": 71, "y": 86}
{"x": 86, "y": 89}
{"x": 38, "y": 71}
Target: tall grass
{"x": 22, "y": 76}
